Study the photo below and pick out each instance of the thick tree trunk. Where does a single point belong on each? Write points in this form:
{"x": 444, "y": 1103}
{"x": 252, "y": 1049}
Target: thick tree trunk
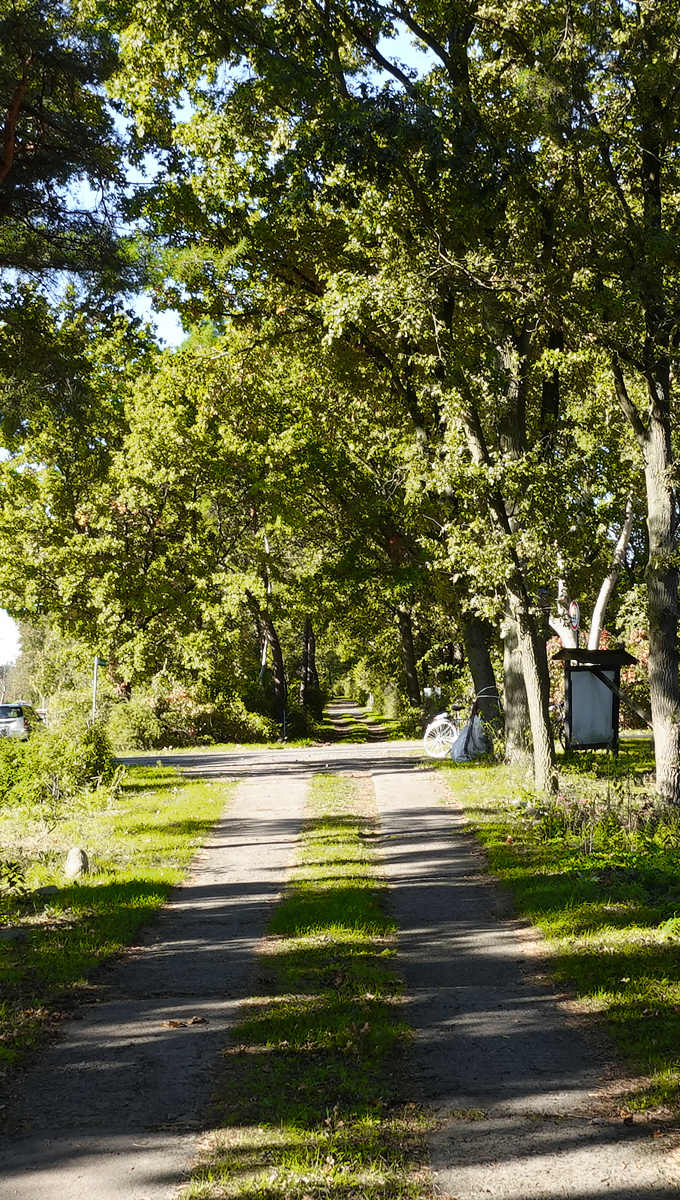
{"x": 313, "y": 673}
{"x": 477, "y": 636}
{"x": 654, "y": 438}
{"x": 310, "y": 691}
{"x": 531, "y": 642}
{"x": 559, "y": 620}
{"x": 278, "y": 668}
{"x": 409, "y": 657}
{"x": 264, "y": 622}
{"x": 304, "y": 668}
{"x": 662, "y": 604}
{"x": 516, "y": 706}
{"x": 537, "y": 683}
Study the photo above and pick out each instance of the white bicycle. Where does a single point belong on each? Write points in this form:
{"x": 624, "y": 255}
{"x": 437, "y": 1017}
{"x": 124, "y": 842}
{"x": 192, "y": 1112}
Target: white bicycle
{"x": 441, "y": 733}
{"x": 443, "y": 729}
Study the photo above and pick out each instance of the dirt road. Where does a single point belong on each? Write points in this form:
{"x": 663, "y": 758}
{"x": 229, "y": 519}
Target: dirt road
{"x": 115, "y": 1108}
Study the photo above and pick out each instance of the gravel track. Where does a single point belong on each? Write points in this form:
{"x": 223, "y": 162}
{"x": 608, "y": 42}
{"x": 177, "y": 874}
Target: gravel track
{"x": 113, "y": 1111}
{"x": 519, "y": 1088}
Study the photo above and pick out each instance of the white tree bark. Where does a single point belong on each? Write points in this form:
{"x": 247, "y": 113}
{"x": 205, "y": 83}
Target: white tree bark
{"x": 609, "y": 581}
{"x": 559, "y": 621}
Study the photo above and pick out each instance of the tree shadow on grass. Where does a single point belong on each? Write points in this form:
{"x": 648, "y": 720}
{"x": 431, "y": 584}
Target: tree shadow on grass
{"x": 167, "y": 782}
{"x": 190, "y": 826}
{"x": 44, "y": 973}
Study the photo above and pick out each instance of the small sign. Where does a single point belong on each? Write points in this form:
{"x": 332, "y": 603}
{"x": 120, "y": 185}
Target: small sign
{"x": 575, "y": 614}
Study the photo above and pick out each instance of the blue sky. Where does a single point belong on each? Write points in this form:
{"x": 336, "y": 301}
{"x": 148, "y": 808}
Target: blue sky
{"x": 9, "y": 638}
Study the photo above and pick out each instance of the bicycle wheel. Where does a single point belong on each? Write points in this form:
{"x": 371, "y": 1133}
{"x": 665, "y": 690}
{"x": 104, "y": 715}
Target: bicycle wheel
{"x": 439, "y": 738}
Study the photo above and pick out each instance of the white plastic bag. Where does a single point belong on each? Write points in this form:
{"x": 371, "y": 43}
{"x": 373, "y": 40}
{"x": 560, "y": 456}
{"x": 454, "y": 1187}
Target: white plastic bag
{"x": 471, "y": 742}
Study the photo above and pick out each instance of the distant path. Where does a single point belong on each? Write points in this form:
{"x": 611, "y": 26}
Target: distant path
{"x": 345, "y": 715}
{"x": 114, "y": 1110}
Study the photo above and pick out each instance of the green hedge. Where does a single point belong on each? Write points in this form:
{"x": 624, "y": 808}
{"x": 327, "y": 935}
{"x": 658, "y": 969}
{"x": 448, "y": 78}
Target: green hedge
{"x": 152, "y": 723}
{"x": 55, "y": 766}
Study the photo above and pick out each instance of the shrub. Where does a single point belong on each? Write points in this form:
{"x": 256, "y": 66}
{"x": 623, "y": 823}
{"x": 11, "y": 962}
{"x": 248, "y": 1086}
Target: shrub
{"x": 232, "y": 722}
{"x": 89, "y": 750}
{"x": 300, "y": 722}
{"x": 178, "y": 719}
{"x": 54, "y": 768}
{"x": 187, "y": 723}
{"x": 13, "y": 886}
{"x": 11, "y": 758}
{"x": 134, "y": 725}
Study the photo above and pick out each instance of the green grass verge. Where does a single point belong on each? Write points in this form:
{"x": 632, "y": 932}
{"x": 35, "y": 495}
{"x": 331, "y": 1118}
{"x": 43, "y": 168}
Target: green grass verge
{"x": 609, "y": 905}
{"x": 138, "y": 850}
{"x": 307, "y": 1107}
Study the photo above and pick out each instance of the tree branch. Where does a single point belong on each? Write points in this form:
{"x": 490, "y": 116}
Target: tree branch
{"x": 626, "y": 404}
{"x": 9, "y": 139}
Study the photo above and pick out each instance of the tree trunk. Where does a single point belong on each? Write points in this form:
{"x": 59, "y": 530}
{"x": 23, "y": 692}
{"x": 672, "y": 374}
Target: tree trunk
{"x": 278, "y": 668}
{"x": 517, "y": 731}
{"x": 662, "y": 606}
{"x": 263, "y": 621}
{"x": 559, "y": 620}
{"x": 476, "y": 637}
{"x": 531, "y": 642}
{"x": 313, "y": 673}
{"x": 310, "y": 691}
{"x": 534, "y": 660}
{"x": 609, "y": 582}
{"x": 304, "y": 669}
{"x": 654, "y": 439}
{"x": 409, "y": 657}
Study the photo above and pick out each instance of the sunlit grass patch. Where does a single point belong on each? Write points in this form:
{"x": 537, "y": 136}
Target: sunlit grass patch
{"x": 609, "y": 906}
{"x": 311, "y": 1100}
{"x": 139, "y": 848}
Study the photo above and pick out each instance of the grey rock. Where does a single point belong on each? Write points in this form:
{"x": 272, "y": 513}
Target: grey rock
{"x": 13, "y": 935}
{"x": 49, "y": 889}
{"x": 77, "y": 863}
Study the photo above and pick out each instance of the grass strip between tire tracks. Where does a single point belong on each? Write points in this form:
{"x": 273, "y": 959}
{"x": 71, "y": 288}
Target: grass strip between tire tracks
{"x": 610, "y": 913}
{"x": 309, "y": 1102}
{"x": 138, "y": 849}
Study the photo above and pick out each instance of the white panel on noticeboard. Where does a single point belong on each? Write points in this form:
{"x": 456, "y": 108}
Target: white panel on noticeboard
{"x": 591, "y": 709}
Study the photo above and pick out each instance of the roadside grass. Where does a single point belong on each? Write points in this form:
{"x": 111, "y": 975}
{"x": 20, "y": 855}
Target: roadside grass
{"x": 213, "y": 748}
{"x": 310, "y": 1103}
{"x": 139, "y": 847}
{"x": 605, "y": 892}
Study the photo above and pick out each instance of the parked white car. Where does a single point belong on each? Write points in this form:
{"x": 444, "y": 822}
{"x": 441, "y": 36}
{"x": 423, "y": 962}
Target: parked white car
{"x": 17, "y": 719}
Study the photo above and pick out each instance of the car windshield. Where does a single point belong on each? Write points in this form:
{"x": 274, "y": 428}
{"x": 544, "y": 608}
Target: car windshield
{"x": 8, "y": 711}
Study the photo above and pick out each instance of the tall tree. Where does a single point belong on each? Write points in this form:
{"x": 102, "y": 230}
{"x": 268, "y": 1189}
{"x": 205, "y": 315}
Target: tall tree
{"x": 57, "y": 134}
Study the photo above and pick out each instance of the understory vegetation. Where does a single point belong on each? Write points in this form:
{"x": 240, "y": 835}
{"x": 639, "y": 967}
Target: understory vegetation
{"x": 311, "y": 1101}
{"x": 596, "y": 869}
{"x": 139, "y": 839}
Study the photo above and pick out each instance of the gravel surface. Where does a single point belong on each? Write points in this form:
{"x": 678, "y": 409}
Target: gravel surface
{"x": 114, "y": 1109}
{"x": 518, "y": 1087}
